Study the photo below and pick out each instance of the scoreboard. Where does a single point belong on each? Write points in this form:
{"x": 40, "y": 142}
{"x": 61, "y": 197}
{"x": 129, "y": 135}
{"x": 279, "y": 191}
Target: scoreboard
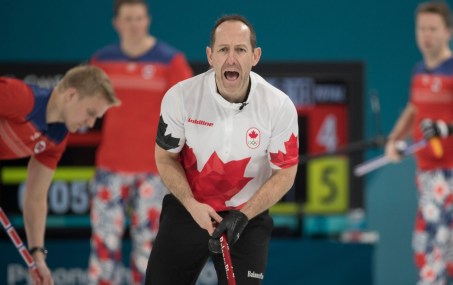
{"x": 329, "y": 101}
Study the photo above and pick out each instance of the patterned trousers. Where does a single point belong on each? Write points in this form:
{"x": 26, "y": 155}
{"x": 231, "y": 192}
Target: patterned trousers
{"x": 433, "y": 239}
{"x": 116, "y": 197}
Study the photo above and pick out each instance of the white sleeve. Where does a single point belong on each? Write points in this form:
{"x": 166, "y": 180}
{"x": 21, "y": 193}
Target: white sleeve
{"x": 283, "y": 147}
{"x": 170, "y": 133}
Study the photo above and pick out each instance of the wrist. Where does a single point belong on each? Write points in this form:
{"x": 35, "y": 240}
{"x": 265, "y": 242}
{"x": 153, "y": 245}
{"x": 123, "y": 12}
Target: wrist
{"x": 245, "y": 214}
{"x": 38, "y": 250}
{"x": 392, "y": 139}
{"x": 189, "y": 203}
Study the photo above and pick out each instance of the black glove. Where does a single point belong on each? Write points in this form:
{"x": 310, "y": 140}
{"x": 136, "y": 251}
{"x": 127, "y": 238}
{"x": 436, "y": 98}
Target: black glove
{"x": 233, "y": 224}
{"x": 438, "y": 128}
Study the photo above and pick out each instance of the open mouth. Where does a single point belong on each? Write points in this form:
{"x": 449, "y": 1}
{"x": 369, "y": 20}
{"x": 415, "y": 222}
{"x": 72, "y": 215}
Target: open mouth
{"x": 231, "y": 75}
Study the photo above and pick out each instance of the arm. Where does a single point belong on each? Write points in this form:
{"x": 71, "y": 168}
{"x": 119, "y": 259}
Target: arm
{"x": 271, "y": 192}
{"x": 283, "y": 157}
{"x": 16, "y": 98}
{"x": 401, "y": 130}
{"x": 174, "y": 177}
{"x": 170, "y": 136}
{"x": 35, "y": 211}
{"x": 284, "y": 141}
{"x": 180, "y": 70}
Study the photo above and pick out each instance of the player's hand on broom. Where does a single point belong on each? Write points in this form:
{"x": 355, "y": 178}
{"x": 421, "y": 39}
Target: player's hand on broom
{"x": 433, "y": 131}
{"x": 42, "y": 276}
{"x": 233, "y": 224}
{"x": 205, "y": 216}
{"x": 394, "y": 150}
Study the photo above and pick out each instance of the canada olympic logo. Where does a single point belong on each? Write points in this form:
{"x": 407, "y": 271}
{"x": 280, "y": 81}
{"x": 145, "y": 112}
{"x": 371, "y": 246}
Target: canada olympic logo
{"x": 252, "y": 138}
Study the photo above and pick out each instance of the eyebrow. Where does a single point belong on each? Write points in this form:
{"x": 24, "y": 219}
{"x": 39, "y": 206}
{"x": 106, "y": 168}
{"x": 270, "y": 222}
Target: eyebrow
{"x": 92, "y": 113}
{"x": 238, "y": 45}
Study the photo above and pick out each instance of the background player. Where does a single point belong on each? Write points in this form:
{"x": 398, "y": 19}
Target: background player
{"x": 427, "y": 114}
{"x": 142, "y": 69}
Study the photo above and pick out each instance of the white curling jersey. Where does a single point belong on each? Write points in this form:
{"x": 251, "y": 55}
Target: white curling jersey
{"x": 227, "y": 152}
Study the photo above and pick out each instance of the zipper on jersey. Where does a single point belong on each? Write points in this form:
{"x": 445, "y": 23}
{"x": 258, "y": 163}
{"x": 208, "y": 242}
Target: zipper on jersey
{"x": 228, "y": 133}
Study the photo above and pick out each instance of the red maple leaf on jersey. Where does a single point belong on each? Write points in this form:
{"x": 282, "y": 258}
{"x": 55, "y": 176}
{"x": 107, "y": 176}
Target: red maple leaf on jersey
{"x": 217, "y": 182}
{"x": 253, "y": 135}
{"x": 289, "y": 158}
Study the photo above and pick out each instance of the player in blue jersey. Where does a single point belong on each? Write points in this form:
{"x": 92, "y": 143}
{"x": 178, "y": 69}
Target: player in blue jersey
{"x": 428, "y": 115}
{"x": 34, "y": 122}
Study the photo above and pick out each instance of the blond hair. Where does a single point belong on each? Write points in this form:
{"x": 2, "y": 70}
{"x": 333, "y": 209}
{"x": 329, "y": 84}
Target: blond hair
{"x": 88, "y": 81}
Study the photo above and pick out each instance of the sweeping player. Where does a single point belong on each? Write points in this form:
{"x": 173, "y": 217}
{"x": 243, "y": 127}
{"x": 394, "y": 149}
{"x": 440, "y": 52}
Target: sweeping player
{"x": 429, "y": 115}
{"x": 34, "y": 122}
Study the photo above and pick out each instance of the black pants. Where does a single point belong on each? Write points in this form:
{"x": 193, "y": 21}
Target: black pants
{"x": 181, "y": 249}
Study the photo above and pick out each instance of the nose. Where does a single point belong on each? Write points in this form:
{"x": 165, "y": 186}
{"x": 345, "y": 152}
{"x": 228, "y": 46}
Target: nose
{"x": 90, "y": 122}
{"x": 231, "y": 59}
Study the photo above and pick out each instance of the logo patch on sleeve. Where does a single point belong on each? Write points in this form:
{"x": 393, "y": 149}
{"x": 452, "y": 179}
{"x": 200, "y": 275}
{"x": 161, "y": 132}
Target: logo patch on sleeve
{"x": 40, "y": 146}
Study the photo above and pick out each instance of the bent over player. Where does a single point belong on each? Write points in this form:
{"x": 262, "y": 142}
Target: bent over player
{"x": 34, "y": 122}
{"x": 227, "y": 149}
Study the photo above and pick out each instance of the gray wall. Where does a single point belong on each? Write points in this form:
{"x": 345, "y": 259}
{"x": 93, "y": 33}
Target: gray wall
{"x": 379, "y": 33}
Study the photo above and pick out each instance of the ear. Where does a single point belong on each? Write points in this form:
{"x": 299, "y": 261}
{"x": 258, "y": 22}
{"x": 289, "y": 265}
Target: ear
{"x": 256, "y": 56}
{"x": 70, "y": 94}
{"x": 209, "y": 55}
{"x": 115, "y": 24}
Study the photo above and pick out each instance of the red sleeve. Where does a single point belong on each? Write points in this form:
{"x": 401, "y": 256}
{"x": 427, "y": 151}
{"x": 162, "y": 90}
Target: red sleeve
{"x": 51, "y": 157}
{"x": 94, "y": 61}
{"x": 16, "y": 98}
{"x": 180, "y": 69}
